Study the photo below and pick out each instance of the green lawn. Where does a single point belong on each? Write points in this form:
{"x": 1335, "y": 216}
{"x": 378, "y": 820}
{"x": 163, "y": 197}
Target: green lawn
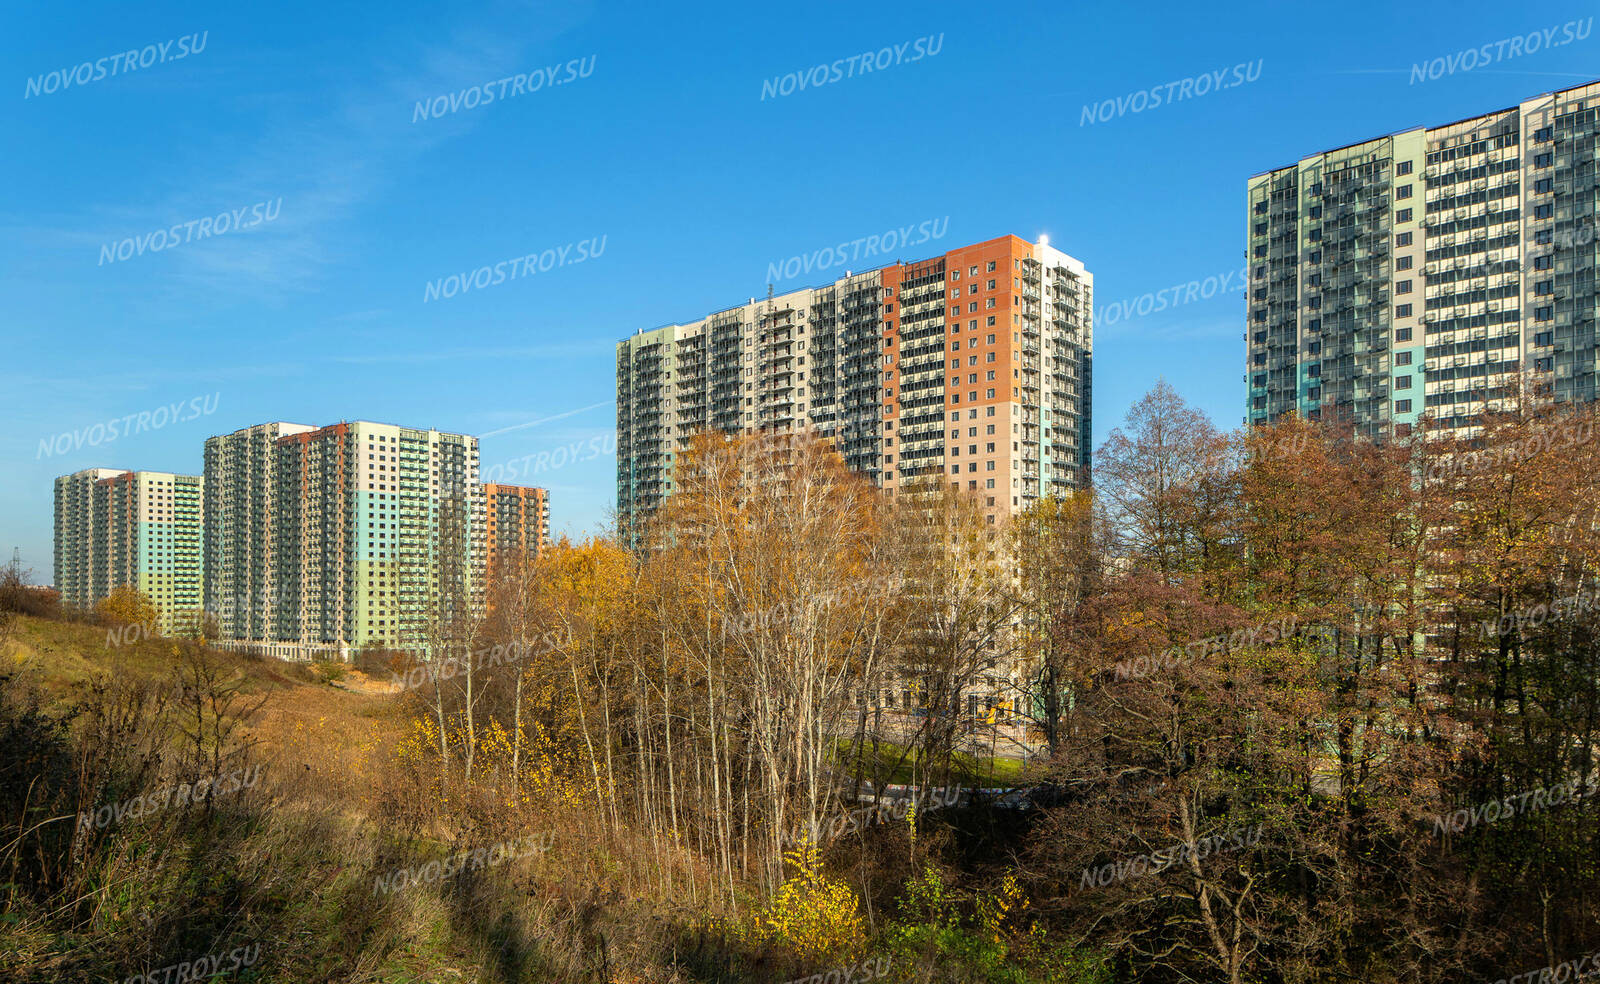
{"x": 996, "y": 771}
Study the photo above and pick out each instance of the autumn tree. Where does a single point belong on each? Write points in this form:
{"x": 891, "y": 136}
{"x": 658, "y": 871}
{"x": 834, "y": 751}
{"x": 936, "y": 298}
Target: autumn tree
{"x": 1059, "y": 553}
{"x": 774, "y": 612}
{"x": 127, "y": 605}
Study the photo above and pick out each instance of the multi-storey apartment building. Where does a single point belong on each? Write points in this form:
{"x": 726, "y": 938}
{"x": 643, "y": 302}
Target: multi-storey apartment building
{"x": 143, "y": 529}
{"x": 1428, "y": 272}
{"x": 240, "y": 533}
{"x": 362, "y": 533}
{"x": 974, "y": 366}
{"x": 75, "y": 535}
{"x": 517, "y": 526}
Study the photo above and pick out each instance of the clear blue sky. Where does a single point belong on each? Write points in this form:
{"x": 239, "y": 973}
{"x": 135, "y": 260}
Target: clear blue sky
{"x": 667, "y": 150}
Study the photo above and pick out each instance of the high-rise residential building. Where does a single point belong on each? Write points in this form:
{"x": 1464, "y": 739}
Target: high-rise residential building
{"x": 115, "y": 528}
{"x": 973, "y": 366}
{"x": 75, "y": 536}
{"x": 1428, "y": 272}
{"x": 517, "y": 521}
{"x": 240, "y": 559}
{"x": 362, "y": 534}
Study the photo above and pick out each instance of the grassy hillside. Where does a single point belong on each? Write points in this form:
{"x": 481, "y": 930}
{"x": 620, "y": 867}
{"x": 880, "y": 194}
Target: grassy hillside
{"x": 286, "y": 867}
{"x": 349, "y": 859}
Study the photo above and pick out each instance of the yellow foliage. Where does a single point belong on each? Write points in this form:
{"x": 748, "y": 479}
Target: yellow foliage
{"x": 811, "y": 914}
{"x": 540, "y": 779}
{"x": 993, "y": 912}
{"x": 127, "y": 605}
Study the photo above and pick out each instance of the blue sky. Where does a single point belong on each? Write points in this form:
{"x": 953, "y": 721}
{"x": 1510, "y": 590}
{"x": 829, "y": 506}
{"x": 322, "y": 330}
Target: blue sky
{"x": 659, "y": 148}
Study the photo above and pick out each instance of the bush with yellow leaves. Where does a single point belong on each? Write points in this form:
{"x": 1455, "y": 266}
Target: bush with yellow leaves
{"x": 811, "y": 915}
{"x": 995, "y": 944}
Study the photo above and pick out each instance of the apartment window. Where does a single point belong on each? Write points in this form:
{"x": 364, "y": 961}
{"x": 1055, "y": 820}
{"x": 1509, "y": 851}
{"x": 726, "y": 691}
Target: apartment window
{"x": 1402, "y": 311}
{"x": 1542, "y": 135}
{"x": 1402, "y": 406}
{"x": 1402, "y": 168}
{"x": 955, "y": 274}
{"x": 989, "y": 302}
{"x": 972, "y": 307}
{"x": 1541, "y": 160}
{"x": 989, "y": 323}
{"x": 972, "y": 271}
{"x": 1543, "y": 313}
{"x": 1542, "y": 186}
{"x": 1404, "y": 215}
{"x": 991, "y": 284}
{"x": 1314, "y": 393}
{"x": 972, "y": 288}
{"x": 1402, "y": 263}
{"x": 990, "y": 339}
{"x": 1543, "y": 211}
{"x": 1544, "y": 287}
{"x": 1402, "y": 382}
{"x": 991, "y": 266}
{"x": 1404, "y": 191}
{"x": 1542, "y": 365}
{"x": 1314, "y": 370}
{"x": 1403, "y": 287}
{"x": 1542, "y": 262}
{"x": 1402, "y": 358}
{"x": 1402, "y": 334}
{"x": 1403, "y": 239}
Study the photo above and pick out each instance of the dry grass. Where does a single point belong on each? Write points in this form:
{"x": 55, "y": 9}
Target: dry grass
{"x": 292, "y": 863}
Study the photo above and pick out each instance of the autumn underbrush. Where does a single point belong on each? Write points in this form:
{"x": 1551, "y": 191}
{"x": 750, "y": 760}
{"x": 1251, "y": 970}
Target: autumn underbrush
{"x": 329, "y": 845}
{"x": 929, "y": 928}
